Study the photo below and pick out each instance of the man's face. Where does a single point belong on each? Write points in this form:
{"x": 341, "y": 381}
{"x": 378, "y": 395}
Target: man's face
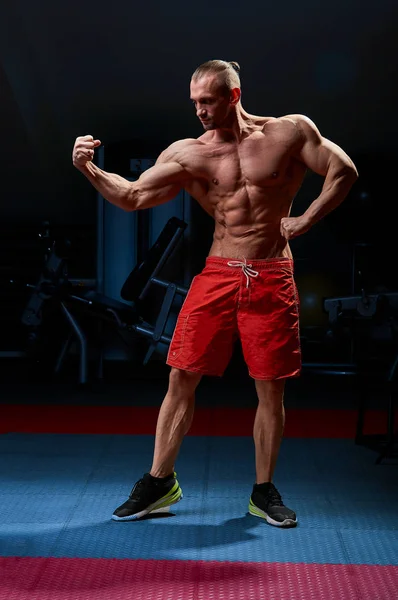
{"x": 212, "y": 106}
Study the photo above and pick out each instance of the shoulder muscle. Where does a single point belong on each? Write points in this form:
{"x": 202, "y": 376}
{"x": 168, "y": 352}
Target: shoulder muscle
{"x": 177, "y": 150}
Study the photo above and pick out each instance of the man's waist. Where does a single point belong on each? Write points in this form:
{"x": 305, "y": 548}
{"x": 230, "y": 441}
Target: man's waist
{"x": 255, "y": 263}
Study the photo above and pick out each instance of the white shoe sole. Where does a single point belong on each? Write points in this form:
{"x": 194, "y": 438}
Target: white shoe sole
{"x": 257, "y": 512}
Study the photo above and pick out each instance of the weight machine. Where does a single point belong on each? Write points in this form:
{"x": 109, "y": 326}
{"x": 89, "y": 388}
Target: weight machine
{"x": 372, "y": 320}
{"x": 74, "y": 297}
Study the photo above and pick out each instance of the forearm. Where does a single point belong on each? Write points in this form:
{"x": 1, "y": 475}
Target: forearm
{"x": 335, "y": 189}
{"x": 151, "y": 189}
{"x": 112, "y": 187}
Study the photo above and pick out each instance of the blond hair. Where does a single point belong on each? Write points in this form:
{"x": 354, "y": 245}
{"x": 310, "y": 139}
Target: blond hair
{"x": 227, "y": 73}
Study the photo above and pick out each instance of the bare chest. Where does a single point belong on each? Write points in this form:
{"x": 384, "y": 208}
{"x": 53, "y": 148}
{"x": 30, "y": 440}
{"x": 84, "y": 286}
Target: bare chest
{"x": 256, "y": 162}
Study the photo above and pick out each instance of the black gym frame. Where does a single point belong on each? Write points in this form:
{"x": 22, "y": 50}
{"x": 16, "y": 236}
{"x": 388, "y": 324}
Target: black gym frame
{"x": 54, "y": 285}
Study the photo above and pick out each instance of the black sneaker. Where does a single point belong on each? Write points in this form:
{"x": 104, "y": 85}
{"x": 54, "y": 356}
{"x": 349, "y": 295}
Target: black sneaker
{"x": 148, "y": 495}
{"x": 266, "y": 502}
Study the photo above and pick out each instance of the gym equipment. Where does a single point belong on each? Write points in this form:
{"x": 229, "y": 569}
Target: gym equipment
{"x": 372, "y": 320}
{"x": 74, "y": 296}
{"x": 364, "y": 305}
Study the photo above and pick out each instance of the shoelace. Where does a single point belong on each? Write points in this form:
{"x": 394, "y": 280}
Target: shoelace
{"x": 135, "y": 492}
{"x": 274, "y": 497}
{"x": 247, "y": 269}
{"x": 136, "y": 489}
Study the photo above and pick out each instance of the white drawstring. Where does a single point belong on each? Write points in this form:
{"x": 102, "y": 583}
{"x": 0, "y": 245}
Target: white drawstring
{"x": 248, "y": 271}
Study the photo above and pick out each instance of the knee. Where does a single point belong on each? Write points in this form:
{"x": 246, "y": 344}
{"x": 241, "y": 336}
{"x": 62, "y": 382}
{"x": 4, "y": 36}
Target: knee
{"x": 183, "y": 382}
{"x": 271, "y": 392}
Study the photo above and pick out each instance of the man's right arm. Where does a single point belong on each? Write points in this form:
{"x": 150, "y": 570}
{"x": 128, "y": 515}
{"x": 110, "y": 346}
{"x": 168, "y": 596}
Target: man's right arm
{"x": 157, "y": 185}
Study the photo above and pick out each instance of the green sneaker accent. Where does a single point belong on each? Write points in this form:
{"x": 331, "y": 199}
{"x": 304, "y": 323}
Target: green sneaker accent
{"x": 173, "y": 496}
{"x": 254, "y": 510}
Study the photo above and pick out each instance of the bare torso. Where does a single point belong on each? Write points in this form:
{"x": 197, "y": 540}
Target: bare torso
{"x": 247, "y": 186}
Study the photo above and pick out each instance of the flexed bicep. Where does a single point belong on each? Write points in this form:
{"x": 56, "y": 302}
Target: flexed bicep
{"x": 155, "y": 186}
{"x": 158, "y": 185}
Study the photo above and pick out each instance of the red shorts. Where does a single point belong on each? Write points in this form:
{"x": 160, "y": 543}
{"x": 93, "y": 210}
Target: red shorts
{"x": 256, "y": 302}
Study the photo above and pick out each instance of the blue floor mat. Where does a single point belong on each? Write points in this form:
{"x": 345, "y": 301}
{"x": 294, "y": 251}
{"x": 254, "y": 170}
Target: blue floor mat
{"x": 59, "y": 491}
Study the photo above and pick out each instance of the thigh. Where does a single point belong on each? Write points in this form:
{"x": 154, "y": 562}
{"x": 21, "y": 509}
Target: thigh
{"x": 206, "y": 328}
{"x": 269, "y": 327}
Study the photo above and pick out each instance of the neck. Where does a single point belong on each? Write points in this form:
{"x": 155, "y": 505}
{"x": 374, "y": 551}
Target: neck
{"x": 239, "y": 125}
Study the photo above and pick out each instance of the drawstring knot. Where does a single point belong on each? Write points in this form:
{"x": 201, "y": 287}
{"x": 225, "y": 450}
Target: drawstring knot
{"x": 246, "y": 268}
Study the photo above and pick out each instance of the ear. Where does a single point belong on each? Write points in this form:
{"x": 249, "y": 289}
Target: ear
{"x": 234, "y": 96}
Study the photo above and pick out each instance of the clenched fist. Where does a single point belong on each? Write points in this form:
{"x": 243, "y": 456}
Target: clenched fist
{"x": 291, "y": 227}
{"x": 83, "y": 150}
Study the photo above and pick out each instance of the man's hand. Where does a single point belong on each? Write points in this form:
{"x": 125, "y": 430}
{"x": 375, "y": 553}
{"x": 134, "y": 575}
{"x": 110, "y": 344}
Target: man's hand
{"x": 83, "y": 150}
{"x": 291, "y": 227}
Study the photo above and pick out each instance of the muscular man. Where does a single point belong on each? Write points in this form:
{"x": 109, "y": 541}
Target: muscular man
{"x": 244, "y": 171}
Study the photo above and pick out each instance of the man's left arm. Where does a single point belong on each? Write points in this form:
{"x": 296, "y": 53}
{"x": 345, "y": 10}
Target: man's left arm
{"x": 324, "y": 158}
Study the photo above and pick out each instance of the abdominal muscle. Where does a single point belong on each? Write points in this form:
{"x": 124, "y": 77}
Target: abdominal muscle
{"x": 251, "y": 229}
{"x": 252, "y": 244}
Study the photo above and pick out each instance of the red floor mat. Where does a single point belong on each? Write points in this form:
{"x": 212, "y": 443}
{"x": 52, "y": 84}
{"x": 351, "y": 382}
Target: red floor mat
{"x": 101, "y": 579}
{"x": 207, "y": 421}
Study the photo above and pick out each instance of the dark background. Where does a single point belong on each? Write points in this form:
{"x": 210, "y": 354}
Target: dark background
{"x": 120, "y": 71}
